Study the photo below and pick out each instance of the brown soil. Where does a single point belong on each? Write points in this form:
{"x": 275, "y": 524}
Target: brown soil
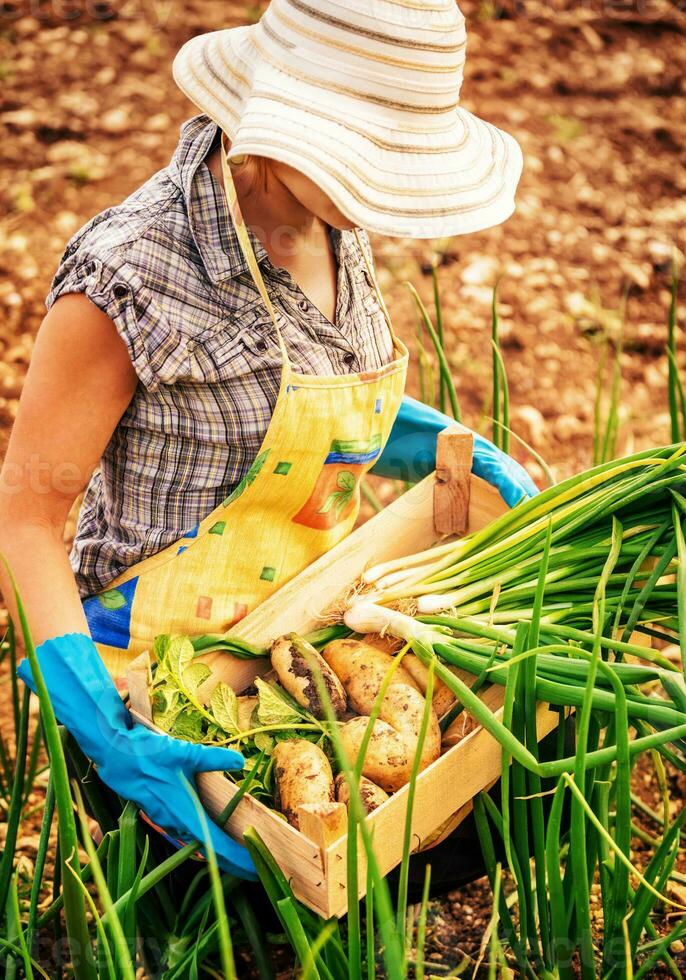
{"x": 89, "y": 110}
{"x": 594, "y": 93}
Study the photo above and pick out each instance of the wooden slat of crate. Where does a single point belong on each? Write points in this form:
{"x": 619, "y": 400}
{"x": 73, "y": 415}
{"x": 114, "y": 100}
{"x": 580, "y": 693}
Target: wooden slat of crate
{"x": 441, "y": 790}
{"x": 300, "y": 859}
{"x": 316, "y": 874}
{"x": 452, "y": 486}
{"x": 403, "y": 528}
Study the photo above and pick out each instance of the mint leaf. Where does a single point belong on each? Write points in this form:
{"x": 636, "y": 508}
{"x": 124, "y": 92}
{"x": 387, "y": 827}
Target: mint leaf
{"x": 179, "y": 655}
{"x": 272, "y": 707}
{"x": 224, "y": 706}
{"x": 160, "y": 647}
{"x": 188, "y": 725}
{"x": 166, "y": 698}
{"x": 166, "y": 705}
{"x": 263, "y": 742}
{"x": 214, "y": 734}
{"x": 194, "y": 676}
{"x": 247, "y": 713}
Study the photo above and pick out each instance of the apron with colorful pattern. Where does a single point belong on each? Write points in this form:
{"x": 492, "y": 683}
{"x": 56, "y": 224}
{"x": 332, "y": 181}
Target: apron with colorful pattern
{"x": 300, "y": 497}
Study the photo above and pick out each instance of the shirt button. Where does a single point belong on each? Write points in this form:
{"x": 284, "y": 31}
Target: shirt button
{"x": 304, "y": 305}
{"x": 120, "y": 290}
{"x": 349, "y": 359}
{"x": 261, "y": 345}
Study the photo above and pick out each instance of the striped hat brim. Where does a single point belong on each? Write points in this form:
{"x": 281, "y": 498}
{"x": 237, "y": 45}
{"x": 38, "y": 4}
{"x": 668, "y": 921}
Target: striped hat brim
{"x": 397, "y": 170}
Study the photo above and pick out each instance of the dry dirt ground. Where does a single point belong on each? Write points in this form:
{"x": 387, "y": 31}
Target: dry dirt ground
{"x": 593, "y": 91}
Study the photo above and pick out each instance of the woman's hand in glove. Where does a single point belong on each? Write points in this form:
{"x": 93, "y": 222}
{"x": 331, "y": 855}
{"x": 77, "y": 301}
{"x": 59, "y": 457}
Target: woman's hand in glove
{"x": 151, "y": 769}
{"x": 410, "y": 453}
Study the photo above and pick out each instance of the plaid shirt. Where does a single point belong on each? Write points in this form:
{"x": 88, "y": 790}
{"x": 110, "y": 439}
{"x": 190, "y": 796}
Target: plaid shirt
{"x": 166, "y": 267}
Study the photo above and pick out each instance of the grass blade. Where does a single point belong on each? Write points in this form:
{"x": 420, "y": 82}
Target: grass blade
{"x": 609, "y": 449}
{"x": 255, "y": 935}
{"x": 562, "y": 944}
{"x": 401, "y": 905}
{"x": 369, "y": 926}
{"x": 125, "y": 968}
{"x": 126, "y": 872}
{"x": 674, "y": 388}
{"x": 224, "y": 933}
{"x": 41, "y": 857}
{"x": 15, "y": 931}
{"x": 498, "y": 431}
{"x": 547, "y": 472}
{"x": 656, "y": 873}
{"x": 421, "y": 925}
{"x": 446, "y": 376}
{"x": 298, "y": 937}
{"x": 681, "y": 576}
{"x": 392, "y": 949}
{"x": 75, "y": 913}
{"x": 16, "y": 799}
{"x": 446, "y": 386}
{"x": 501, "y": 418}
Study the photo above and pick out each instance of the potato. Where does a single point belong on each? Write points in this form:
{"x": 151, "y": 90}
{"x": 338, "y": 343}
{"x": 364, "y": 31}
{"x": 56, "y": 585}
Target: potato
{"x": 395, "y": 737}
{"x": 295, "y": 662}
{"x": 388, "y": 760}
{"x": 387, "y": 643}
{"x": 302, "y": 775}
{"x": 443, "y": 698}
{"x": 371, "y": 795}
{"x": 361, "y": 668}
{"x": 403, "y": 708}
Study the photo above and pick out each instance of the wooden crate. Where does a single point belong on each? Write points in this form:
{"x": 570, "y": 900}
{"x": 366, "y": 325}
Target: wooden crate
{"x": 314, "y": 857}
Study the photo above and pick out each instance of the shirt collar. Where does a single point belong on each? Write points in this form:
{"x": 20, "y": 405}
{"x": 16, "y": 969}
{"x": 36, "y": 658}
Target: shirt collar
{"x": 212, "y": 230}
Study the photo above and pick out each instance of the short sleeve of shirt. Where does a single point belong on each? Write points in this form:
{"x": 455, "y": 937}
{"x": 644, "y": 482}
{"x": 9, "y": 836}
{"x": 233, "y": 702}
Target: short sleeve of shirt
{"x": 156, "y": 350}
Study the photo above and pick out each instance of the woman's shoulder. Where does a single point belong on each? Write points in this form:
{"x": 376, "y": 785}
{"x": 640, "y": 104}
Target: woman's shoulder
{"x": 123, "y": 260}
{"x": 118, "y": 235}
{"x": 149, "y": 232}
{"x": 138, "y": 262}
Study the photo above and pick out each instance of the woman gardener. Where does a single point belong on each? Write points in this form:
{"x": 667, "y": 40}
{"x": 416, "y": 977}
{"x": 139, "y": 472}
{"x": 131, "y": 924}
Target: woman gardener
{"x": 216, "y": 345}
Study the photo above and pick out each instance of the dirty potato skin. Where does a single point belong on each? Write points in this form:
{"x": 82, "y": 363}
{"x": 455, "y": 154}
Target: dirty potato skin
{"x": 443, "y": 698}
{"x": 395, "y": 736}
{"x": 371, "y": 795}
{"x": 293, "y": 660}
{"x": 403, "y": 709}
{"x": 302, "y": 775}
{"x": 361, "y": 668}
{"x": 388, "y": 761}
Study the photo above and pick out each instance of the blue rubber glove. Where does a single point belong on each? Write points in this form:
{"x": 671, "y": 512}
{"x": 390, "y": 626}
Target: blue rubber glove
{"x": 410, "y": 453}
{"x": 136, "y": 763}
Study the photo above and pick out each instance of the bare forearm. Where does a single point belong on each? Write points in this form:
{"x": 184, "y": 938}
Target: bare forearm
{"x": 44, "y": 578}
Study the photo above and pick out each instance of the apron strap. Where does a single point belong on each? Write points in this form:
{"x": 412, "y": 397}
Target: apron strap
{"x": 251, "y": 260}
{"x": 244, "y": 242}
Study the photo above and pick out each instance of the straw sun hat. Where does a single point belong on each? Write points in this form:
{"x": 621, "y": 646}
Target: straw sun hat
{"x": 362, "y": 97}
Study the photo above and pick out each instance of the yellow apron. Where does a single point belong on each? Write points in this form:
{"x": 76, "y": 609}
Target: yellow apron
{"x": 300, "y": 497}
